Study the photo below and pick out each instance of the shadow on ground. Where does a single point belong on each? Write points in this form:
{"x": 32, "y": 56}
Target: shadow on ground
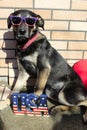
{"x": 61, "y": 121}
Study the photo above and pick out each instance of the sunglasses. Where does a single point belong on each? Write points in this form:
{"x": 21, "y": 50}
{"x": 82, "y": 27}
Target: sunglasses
{"x": 16, "y": 20}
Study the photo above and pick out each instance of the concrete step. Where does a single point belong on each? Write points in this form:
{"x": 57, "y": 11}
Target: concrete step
{"x": 61, "y": 121}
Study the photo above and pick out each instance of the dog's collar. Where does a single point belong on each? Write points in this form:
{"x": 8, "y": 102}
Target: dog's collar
{"x": 30, "y": 42}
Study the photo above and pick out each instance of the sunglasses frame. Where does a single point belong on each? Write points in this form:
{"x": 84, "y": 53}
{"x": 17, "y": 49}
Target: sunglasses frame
{"x": 23, "y": 19}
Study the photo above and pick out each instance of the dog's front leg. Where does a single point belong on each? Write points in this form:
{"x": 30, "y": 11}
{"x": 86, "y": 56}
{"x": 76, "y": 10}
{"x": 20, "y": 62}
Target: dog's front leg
{"x": 21, "y": 80}
{"x": 42, "y": 80}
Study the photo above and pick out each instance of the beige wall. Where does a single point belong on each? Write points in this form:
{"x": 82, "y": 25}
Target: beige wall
{"x": 65, "y": 28}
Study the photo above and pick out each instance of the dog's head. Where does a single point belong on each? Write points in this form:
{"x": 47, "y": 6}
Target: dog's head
{"x": 25, "y": 24}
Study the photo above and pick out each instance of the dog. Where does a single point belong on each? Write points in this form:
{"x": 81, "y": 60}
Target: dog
{"x": 36, "y": 57}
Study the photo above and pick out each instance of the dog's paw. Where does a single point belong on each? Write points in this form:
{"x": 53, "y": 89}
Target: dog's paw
{"x": 54, "y": 111}
{"x": 38, "y": 92}
{"x": 59, "y": 108}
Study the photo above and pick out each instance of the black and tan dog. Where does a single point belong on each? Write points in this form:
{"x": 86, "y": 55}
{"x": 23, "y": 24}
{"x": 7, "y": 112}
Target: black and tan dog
{"x": 36, "y": 57}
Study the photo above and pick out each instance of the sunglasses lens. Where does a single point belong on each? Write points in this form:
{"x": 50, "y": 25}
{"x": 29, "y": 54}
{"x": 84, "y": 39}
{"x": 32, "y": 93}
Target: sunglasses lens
{"x": 16, "y": 20}
{"x": 30, "y": 21}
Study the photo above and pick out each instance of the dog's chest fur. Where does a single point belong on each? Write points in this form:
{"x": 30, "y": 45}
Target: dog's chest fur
{"x": 32, "y": 58}
{"x": 29, "y": 62}
{"x": 29, "y": 57}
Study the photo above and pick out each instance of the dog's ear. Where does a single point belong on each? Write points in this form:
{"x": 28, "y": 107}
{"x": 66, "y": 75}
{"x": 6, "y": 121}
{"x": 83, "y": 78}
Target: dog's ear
{"x": 40, "y": 22}
{"x": 9, "y": 24}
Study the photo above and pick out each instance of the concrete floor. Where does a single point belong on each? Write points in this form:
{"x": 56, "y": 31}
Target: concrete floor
{"x": 68, "y": 120}
{"x": 61, "y": 121}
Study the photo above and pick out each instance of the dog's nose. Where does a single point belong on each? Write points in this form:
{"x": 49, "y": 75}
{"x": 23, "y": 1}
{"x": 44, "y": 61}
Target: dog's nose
{"x": 22, "y": 31}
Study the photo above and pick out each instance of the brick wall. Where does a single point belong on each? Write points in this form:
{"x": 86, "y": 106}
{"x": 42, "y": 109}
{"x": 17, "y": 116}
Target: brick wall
{"x": 65, "y": 28}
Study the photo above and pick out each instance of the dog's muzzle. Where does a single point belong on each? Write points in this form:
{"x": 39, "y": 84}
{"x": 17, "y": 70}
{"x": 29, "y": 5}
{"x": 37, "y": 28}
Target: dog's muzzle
{"x": 21, "y": 39}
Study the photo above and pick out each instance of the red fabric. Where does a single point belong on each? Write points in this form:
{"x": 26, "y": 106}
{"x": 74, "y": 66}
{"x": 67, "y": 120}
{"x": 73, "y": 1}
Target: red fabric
{"x": 30, "y": 42}
{"x": 80, "y": 68}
